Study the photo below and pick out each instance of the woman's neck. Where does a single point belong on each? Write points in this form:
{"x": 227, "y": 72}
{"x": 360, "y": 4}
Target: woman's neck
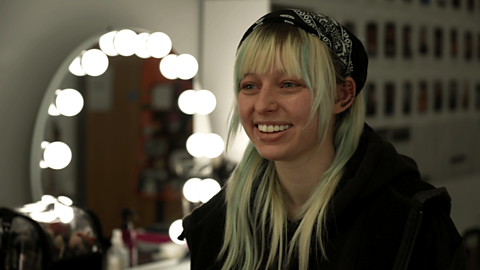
{"x": 299, "y": 178}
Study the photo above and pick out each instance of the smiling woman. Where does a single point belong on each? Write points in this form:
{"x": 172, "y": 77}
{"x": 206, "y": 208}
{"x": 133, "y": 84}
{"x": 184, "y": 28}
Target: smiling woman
{"x": 316, "y": 188}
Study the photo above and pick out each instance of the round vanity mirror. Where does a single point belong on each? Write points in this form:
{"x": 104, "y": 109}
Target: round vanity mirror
{"x": 110, "y": 134}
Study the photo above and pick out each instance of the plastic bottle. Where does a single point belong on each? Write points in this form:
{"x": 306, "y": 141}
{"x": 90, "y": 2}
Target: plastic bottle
{"x": 117, "y": 255}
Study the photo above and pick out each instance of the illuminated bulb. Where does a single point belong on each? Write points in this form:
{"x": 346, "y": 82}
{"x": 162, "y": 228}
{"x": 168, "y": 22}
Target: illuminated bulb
{"x": 106, "y": 43}
{"x": 141, "y": 45}
{"x": 52, "y": 110}
{"x": 43, "y": 164}
{"x": 94, "y": 62}
{"x": 69, "y": 102}
{"x": 212, "y": 145}
{"x": 44, "y": 144}
{"x": 159, "y": 45}
{"x": 57, "y": 155}
{"x": 190, "y": 190}
{"x": 76, "y": 68}
{"x": 207, "y": 189}
{"x": 33, "y": 207}
{"x": 65, "y": 200}
{"x": 205, "y": 102}
{"x": 125, "y": 42}
{"x": 186, "y": 66}
{"x": 195, "y": 144}
{"x": 48, "y": 199}
{"x": 175, "y": 230}
{"x": 167, "y": 67}
{"x": 186, "y": 102}
{"x": 65, "y": 213}
{"x": 44, "y": 217}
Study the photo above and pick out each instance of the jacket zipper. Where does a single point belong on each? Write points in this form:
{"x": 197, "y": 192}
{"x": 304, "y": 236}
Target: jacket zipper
{"x": 414, "y": 238}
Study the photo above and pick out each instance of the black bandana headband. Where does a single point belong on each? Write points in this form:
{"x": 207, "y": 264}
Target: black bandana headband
{"x": 348, "y": 49}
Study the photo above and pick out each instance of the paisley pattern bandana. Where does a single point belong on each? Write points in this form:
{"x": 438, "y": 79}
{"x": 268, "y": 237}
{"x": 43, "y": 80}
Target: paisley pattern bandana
{"x": 348, "y": 49}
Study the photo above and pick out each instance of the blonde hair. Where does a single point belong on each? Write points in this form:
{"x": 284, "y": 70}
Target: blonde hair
{"x": 256, "y": 212}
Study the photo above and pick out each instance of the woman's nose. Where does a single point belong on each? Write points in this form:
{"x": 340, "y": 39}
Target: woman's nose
{"x": 266, "y": 102}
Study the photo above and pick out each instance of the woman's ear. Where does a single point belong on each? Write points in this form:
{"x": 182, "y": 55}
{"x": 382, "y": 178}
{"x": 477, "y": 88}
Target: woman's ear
{"x": 345, "y": 95}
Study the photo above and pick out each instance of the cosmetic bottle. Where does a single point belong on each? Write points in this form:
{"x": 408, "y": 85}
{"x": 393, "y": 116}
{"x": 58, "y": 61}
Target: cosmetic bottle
{"x": 117, "y": 255}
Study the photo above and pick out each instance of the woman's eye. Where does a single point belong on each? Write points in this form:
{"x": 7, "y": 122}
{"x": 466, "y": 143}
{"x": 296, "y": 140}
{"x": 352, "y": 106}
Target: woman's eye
{"x": 248, "y": 86}
{"x": 289, "y": 85}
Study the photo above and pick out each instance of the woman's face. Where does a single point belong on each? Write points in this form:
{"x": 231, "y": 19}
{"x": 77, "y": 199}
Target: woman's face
{"x": 274, "y": 110}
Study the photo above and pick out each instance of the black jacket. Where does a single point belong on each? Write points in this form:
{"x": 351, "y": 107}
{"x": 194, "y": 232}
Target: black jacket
{"x": 382, "y": 217}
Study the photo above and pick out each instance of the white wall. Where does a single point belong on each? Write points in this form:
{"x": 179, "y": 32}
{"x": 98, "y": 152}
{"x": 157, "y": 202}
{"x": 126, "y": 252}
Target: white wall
{"x": 224, "y": 23}
{"x": 36, "y": 36}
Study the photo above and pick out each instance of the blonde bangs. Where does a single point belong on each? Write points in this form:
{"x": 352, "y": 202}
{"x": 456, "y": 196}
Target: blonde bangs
{"x": 261, "y": 54}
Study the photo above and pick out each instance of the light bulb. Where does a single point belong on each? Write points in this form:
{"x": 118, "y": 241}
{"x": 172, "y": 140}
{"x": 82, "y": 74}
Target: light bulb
{"x": 207, "y": 189}
{"x": 205, "y": 102}
{"x": 186, "y": 102}
{"x": 186, "y": 66}
{"x": 44, "y": 217}
{"x": 57, "y": 155}
{"x": 52, "y": 110}
{"x": 195, "y": 144}
{"x": 43, "y": 164}
{"x": 159, "y": 44}
{"x": 48, "y": 199}
{"x": 190, "y": 190}
{"x": 175, "y": 230}
{"x": 65, "y": 213}
{"x": 167, "y": 67}
{"x": 141, "y": 45}
{"x": 94, "y": 62}
{"x": 76, "y": 68}
{"x": 69, "y": 102}
{"x": 125, "y": 41}
{"x": 212, "y": 145}
{"x": 44, "y": 144}
{"x": 106, "y": 43}
{"x": 65, "y": 200}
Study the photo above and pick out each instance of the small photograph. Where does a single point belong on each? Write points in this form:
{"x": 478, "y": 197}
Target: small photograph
{"x": 425, "y": 2}
{"x": 422, "y": 97}
{"x": 466, "y": 95}
{"x": 371, "y": 100}
{"x": 350, "y": 27}
{"x": 452, "y": 95}
{"x": 407, "y": 42}
{"x": 456, "y": 4}
{"x": 407, "y": 98}
{"x": 438, "y": 42}
{"x": 389, "y": 98}
{"x": 423, "y": 49}
{"x": 441, "y": 3}
{"x": 390, "y": 40}
{"x": 453, "y": 43}
{"x": 470, "y": 5}
{"x": 372, "y": 39}
{"x": 468, "y": 46}
{"x": 478, "y": 47}
{"x": 477, "y": 97}
{"x": 437, "y": 96}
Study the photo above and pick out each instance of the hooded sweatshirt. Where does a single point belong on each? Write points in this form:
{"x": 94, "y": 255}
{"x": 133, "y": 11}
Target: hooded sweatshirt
{"x": 382, "y": 216}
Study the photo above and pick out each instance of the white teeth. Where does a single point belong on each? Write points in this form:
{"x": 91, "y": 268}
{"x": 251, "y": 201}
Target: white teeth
{"x": 272, "y": 128}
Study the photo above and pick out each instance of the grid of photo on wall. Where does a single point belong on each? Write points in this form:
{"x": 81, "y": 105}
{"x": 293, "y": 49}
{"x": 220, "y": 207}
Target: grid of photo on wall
{"x": 423, "y": 92}
{"x": 423, "y": 88}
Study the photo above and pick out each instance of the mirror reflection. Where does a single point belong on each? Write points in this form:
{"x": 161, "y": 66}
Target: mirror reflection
{"x": 118, "y": 118}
